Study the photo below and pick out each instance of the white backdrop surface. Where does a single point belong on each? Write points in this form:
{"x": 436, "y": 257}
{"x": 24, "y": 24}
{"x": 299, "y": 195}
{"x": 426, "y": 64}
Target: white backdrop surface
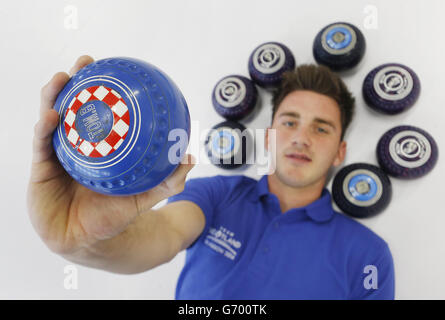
{"x": 197, "y": 42}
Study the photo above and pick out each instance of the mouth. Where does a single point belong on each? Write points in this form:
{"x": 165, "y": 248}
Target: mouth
{"x": 298, "y": 157}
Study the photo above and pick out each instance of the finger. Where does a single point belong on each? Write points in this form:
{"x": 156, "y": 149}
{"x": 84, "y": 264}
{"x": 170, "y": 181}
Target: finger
{"x": 42, "y": 148}
{"x": 188, "y": 159}
{"x": 147, "y": 200}
{"x": 187, "y": 164}
{"x": 81, "y": 62}
{"x": 49, "y": 92}
{"x": 44, "y": 163}
{"x": 52, "y": 88}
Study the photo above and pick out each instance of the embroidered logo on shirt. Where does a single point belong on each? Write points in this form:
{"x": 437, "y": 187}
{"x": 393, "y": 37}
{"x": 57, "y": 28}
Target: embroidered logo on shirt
{"x": 223, "y": 241}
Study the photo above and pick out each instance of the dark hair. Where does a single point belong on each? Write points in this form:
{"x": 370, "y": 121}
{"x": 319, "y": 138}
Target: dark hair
{"x": 320, "y": 79}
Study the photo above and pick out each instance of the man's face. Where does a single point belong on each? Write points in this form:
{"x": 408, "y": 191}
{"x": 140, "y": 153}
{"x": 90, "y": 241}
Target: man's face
{"x": 308, "y": 131}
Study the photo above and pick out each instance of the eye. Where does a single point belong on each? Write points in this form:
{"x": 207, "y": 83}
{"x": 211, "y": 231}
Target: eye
{"x": 289, "y": 123}
{"x": 322, "y": 130}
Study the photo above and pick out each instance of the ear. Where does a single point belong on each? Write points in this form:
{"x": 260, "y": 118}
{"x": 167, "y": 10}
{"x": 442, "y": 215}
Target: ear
{"x": 341, "y": 153}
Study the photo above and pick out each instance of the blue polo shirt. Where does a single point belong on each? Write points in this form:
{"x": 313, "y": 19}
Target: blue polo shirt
{"x": 249, "y": 249}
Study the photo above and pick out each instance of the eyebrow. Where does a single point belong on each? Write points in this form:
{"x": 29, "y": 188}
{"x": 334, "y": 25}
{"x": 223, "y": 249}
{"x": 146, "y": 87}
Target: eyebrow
{"x": 319, "y": 120}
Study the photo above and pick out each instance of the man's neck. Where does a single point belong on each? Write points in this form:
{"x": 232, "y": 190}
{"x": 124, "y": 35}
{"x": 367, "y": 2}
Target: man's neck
{"x": 291, "y": 197}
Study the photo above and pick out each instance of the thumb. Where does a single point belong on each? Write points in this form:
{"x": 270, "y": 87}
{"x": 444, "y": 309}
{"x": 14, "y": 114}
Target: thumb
{"x": 171, "y": 185}
{"x": 187, "y": 164}
{"x": 175, "y": 182}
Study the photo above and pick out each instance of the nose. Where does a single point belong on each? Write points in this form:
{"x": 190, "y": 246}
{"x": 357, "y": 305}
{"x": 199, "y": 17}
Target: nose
{"x": 301, "y": 138}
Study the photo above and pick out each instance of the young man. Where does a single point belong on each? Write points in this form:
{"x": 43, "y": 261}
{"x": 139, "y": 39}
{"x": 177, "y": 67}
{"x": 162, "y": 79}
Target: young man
{"x": 276, "y": 238}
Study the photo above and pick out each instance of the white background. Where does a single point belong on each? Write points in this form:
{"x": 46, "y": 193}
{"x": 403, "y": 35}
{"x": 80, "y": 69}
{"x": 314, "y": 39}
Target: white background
{"x": 196, "y": 43}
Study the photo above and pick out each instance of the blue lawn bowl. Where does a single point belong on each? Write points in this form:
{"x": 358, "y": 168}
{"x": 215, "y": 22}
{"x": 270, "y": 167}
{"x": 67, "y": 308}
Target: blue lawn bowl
{"x": 124, "y": 126}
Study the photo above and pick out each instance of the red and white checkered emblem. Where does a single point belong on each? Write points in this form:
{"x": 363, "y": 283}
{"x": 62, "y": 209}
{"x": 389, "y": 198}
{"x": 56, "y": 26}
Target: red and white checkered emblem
{"x": 118, "y": 132}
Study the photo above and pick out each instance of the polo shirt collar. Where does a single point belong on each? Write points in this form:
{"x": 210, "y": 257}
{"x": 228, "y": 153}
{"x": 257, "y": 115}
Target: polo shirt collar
{"x": 320, "y": 210}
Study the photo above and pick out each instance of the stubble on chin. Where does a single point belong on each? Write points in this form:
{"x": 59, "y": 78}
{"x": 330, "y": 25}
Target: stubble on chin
{"x": 288, "y": 179}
